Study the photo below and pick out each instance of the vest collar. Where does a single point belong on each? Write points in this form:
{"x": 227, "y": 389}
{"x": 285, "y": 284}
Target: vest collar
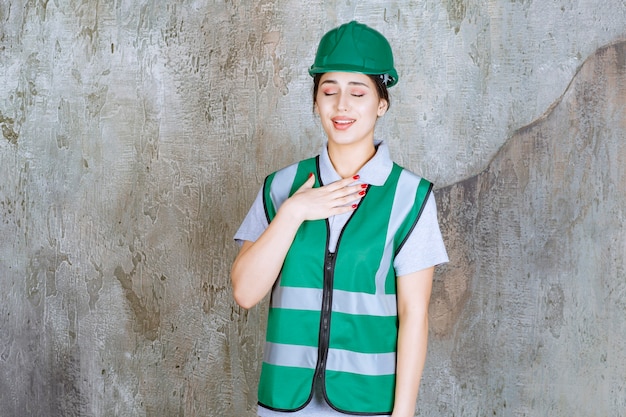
{"x": 374, "y": 172}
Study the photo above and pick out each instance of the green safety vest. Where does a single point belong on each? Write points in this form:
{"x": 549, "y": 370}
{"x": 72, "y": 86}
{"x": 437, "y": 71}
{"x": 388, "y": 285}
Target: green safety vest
{"x": 333, "y": 316}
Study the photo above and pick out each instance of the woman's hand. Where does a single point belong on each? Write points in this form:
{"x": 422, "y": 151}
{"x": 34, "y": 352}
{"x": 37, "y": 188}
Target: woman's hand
{"x": 310, "y": 203}
{"x": 258, "y": 264}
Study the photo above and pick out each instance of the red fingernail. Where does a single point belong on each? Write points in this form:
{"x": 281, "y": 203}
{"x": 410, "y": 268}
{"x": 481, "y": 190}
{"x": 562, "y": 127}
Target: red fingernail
{"x": 310, "y": 174}
{"x": 362, "y": 192}
{"x": 363, "y": 185}
{"x": 354, "y": 206}
{"x": 356, "y": 177}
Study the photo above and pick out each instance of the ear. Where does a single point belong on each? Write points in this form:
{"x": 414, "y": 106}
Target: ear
{"x": 315, "y": 108}
{"x": 383, "y": 105}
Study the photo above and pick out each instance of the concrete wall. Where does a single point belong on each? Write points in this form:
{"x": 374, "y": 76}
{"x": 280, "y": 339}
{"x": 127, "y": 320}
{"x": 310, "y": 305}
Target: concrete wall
{"x": 529, "y": 318}
{"x": 135, "y": 135}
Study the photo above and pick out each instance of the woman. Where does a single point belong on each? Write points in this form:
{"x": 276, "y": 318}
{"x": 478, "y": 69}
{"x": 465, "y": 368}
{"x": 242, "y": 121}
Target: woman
{"x": 347, "y": 242}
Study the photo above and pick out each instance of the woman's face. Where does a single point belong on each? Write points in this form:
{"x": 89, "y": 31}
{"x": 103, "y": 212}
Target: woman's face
{"x": 348, "y": 106}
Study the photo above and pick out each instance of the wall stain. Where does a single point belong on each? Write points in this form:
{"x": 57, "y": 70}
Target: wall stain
{"x": 272, "y": 40}
{"x": 8, "y": 130}
{"x": 95, "y": 100}
{"x": 456, "y": 13}
{"x": 66, "y": 397}
{"x": 553, "y": 310}
{"x": 146, "y": 322}
{"x": 94, "y": 285}
{"x": 451, "y": 293}
{"x": 22, "y": 98}
{"x": 42, "y": 269}
{"x": 620, "y": 51}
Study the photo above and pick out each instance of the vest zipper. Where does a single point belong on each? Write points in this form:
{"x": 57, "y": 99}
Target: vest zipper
{"x": 327, "y": 302}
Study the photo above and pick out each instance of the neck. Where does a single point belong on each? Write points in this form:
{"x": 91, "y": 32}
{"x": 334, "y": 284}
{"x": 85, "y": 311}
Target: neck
{"x": 349, "y": 159}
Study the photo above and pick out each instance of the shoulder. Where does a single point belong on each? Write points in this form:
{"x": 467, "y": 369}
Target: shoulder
{"x": 410, "y": 177}
{"x": 287, "y": 168}
{"x": 293, "y": 168}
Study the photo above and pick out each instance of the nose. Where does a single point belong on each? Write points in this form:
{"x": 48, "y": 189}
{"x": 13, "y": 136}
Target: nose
{"x": 342, "y": 103}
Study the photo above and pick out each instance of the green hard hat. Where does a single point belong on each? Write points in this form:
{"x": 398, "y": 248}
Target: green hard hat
{"x": 355, "y": 47}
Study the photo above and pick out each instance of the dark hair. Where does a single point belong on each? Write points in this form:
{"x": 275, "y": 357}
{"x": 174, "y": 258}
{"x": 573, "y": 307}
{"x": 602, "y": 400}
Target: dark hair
{"x": 381, "y": 88}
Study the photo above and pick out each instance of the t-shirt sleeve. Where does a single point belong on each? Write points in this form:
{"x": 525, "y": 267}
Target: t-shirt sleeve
{"x": 424, "y": 247}
{"x": 255, "y": 222}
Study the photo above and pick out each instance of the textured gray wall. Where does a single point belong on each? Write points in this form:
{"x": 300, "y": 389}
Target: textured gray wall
{"x": 530, "y": 317}
{"x": 135, "y": 135}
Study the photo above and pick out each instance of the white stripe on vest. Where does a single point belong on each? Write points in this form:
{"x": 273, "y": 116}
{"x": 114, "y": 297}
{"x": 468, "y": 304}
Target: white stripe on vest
{"x": 402, "y": 204}
{"x": 297, "y": 298}
{"x": 284, "y": 176}
{"x": 339, "y": 360}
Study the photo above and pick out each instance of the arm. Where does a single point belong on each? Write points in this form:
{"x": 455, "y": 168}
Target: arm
{"x": 258, "y": 263}
{"x": 413, "y": 299}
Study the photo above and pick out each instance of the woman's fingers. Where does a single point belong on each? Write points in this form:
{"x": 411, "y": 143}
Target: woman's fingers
{"x": 337, "y": 185}
{"x": 349, "y": 193}
{"x": 335, "y": 189}
{"x": 322, "y": 202}
{"x": 308, "y": 183}
{"x": 341, "y": 192}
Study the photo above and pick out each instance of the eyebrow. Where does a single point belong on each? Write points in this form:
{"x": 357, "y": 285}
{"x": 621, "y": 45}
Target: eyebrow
{"x": 358, "y": 83}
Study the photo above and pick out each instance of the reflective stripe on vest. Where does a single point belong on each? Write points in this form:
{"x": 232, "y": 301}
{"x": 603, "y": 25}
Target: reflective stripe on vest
{"x": 339, "y": 360}
{"x": 351, "y": 343}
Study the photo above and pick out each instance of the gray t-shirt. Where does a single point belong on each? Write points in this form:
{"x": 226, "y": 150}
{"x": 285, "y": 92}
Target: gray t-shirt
{"x": 423, "y": 248}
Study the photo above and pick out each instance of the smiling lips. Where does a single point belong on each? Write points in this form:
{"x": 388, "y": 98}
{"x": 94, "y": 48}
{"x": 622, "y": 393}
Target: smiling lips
{"x": 342, "y": 123}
